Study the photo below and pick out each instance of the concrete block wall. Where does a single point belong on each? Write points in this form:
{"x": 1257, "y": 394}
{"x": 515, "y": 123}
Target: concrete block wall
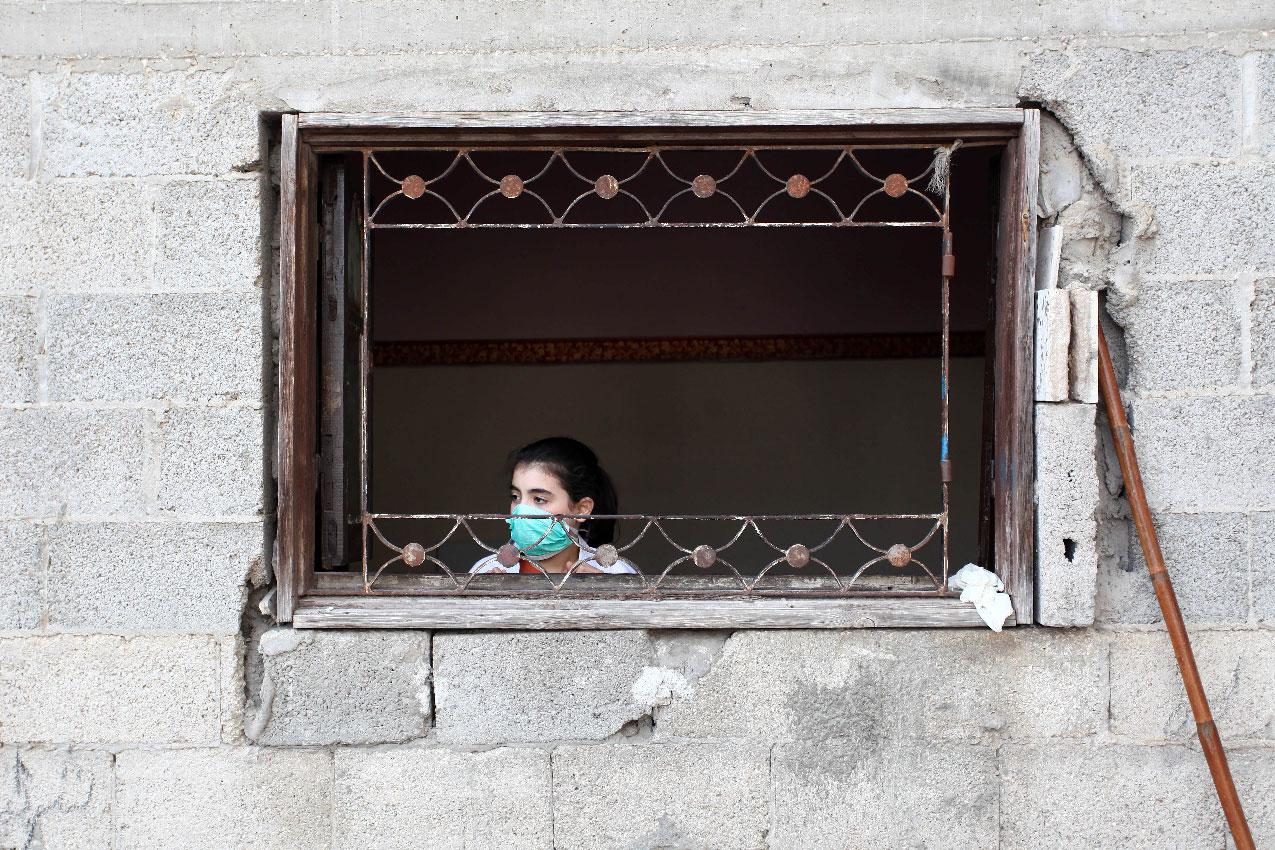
{"x": 140, "y": 706}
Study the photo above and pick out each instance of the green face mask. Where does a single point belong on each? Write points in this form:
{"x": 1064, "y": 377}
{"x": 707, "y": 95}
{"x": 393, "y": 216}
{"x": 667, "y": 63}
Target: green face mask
{"x": 535, "y": 533}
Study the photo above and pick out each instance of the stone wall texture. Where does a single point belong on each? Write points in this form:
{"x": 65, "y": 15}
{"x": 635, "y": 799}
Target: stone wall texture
{"x": 144, "y": 705}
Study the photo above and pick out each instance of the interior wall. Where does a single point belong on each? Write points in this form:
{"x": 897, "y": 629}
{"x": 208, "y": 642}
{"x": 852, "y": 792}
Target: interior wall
{"x": 834, "y": 437}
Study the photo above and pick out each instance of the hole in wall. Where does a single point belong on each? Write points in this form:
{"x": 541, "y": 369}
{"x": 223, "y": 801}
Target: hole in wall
{"x": 1069, "y": 549}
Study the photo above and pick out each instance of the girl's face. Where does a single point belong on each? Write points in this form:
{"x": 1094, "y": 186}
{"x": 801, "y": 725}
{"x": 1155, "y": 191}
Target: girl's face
{"x": 534, "y": 485}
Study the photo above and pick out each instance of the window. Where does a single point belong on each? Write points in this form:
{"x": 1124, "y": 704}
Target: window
{"x": 815, "y": 408}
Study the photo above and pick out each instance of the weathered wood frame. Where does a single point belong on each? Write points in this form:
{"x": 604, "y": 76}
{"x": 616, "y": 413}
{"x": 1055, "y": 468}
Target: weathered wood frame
{"x": 335, "y": 600}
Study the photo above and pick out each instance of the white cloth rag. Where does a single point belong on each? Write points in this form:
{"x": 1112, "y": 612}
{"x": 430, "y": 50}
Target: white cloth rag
{"x": 986, "y": 591}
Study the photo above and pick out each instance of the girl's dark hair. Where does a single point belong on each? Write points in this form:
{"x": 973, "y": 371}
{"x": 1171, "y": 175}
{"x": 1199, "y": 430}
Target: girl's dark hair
{"x": 576, "y": 466}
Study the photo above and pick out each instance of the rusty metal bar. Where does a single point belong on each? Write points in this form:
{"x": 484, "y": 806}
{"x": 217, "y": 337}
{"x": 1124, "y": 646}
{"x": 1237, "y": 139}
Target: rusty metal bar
{"x": 1210, "y": 740}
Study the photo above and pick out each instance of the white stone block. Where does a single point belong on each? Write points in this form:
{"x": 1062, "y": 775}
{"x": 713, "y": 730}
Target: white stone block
{"x": 209, "y": 461}
{"x": 1084, "y": 346}
{"x": 347, "y": 687}
{"x": 1067, "y": 496}
{"x": 1053, "y": 341}
{"x": 263, "y": 799}
{"x": 188, "y": 347}
{"x": 154, "y": 122}
{"x": 1262, "y": 566}
{"x": 1206, "y": 454}
{"x": 1140, "y": 102}
{"x": 19, "y": 348}
{"x": 74, "y": 461}
{"x": 1078, "y": 796}
{"x": 698, "y": 796}
{"x": 21, "y": 573}
{"x": 208, "y": 234}
{"x": 863, "y": 685}
{"x": 1183, "y": 336}
{"x": 1207, "y": 558}
{"x": 407, "y": 799}
{"x": 55, "y": 799}
{"x": 834, "y": 795}
{"x": 15, "y": 126}
{"x": 497, "y": 687}
{"x": 1211, "y": 218}
{"x": 1254, "y": 773}
{"x": 1148, "y": 702}
{"x": 151, "y": 576}
{"x": 1262, "y": 333}
{"x": 108, "y": 690}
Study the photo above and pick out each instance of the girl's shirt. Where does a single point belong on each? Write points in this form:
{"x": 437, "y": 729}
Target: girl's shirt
{"x": 588, "y": 558}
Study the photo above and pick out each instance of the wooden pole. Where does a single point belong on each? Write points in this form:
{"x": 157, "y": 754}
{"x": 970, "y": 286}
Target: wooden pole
{"x": 1210, "y": 741}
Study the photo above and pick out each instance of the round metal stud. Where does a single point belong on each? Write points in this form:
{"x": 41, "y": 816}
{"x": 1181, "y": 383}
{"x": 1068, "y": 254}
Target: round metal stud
{"x": 508, "y": 555}
{"x": 898, "y": 555}
{"x": 704, "y": 556}
{"x": 413, "y": 554}
{"x": 607, "y": 186}
{"x": 511, "y": 185}
{"x": 896, "y": 185}
{"x": 798, "y": 186}
{"x": 703, "y": 186}
{"x": 606, "y": 555}
{"x": 413, "y": 186}
{"x": 797, "y": 556}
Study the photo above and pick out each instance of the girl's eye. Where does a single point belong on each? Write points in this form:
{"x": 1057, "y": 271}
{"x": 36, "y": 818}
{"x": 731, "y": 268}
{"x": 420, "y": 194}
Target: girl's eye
{"x": 540, "y": 500}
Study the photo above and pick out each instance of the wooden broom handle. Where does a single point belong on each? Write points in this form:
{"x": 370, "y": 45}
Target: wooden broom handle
{"x": 1210, "y": 741}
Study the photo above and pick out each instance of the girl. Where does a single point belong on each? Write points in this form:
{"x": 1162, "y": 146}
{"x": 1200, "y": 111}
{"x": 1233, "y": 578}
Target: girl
{"x": 558, "y": 475}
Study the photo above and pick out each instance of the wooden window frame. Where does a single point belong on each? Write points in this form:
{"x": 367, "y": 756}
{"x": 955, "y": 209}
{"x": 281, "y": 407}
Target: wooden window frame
{"x": 309, "y": 599}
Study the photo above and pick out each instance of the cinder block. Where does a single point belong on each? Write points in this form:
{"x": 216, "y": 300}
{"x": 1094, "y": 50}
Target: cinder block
{"x": 1148, "y": 702}
{"x": 1207, "y": 558}
{"x": 1262, "y": 336}
{"x": 77, "y": 235}
{"x": 154, "y": 122}
{"x": 76, "y": 461}
{"x": 1254, "y": 773}
{"x": 1067, "y": 495}
{"x": 499, "y": 687}
{"x": 15, "y": 126}
{"x": 1142, "y": 103}
{"x": 264, "y": 799}
{"x": 405, "y": 799}
{"x": 100, "y": 689}
{"x": 1181, "y": 336}
{"x": 1206, "y": 454}
{"x": 55, "y": 799}
{"x": 208, "y": 234}
{"x": 1084, "y": 346}
{"x": 179, "y": 346}
{"x": 1264, "y": 114}
{"x": 1064, "y": 794}
{"x": 19, "y": 346}
{"x": 151, "y": 576}
{"x": 834, "y": 795}
{"x": 1053, "y": 341}
{"x": 21, "y": 570}
{"x": 1262, "y": 566}
{"x": 342, "y": 687}
{"x": 863, "y": 685}
{"x": 209, "y": 461}
{"x": 699, "y": 796}
{"x": 1212, "y": 218}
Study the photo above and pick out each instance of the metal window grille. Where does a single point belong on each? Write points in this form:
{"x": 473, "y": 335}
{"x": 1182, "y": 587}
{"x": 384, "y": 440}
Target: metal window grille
{"x": 622, "y": 200}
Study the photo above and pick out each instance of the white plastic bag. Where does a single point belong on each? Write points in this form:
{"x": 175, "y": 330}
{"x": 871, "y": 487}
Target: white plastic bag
{"x": 986, "y": 591}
